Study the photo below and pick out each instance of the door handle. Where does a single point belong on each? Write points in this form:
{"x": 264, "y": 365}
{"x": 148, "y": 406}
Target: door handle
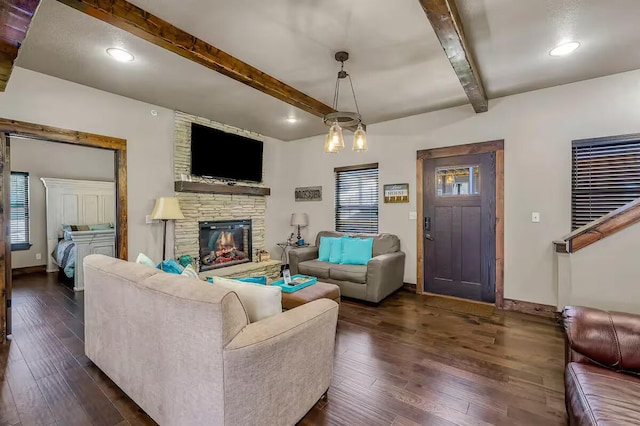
{"x": 427, "y": 228}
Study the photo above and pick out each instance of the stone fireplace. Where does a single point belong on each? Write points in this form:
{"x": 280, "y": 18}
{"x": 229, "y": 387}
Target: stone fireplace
{"x": 225, "y": 243}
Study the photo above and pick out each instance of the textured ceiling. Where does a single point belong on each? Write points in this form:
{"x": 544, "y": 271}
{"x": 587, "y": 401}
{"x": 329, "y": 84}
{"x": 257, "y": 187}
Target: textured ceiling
{"x": 397, "y": 64}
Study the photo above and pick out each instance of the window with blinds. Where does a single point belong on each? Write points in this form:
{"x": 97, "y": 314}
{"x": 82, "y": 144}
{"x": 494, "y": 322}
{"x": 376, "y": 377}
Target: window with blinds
{"x": 605, "y": 176}
{"x": 357, "y": 199}
{"x": 20, "y": 211}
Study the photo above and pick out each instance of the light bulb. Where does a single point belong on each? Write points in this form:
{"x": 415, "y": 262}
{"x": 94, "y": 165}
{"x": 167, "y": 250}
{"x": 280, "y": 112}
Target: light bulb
{"x": 337, "y": 139}
{"x": 329, "y": 147}
{"x": 360, "y": 139}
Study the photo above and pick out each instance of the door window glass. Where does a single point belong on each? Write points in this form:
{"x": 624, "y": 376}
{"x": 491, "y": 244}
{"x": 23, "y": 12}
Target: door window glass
{"x": 457, "y": 180}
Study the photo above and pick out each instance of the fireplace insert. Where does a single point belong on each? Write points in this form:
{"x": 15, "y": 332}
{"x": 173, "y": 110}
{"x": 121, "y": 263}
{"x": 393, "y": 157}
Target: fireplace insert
{"x": 224, "y": 243}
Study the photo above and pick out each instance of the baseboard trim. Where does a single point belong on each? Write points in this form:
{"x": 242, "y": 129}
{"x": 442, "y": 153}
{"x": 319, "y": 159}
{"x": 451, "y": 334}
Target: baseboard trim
{"x": 409, "y": 287}
{"x": 539, "y": 309}
{"x": 28, "y": 270}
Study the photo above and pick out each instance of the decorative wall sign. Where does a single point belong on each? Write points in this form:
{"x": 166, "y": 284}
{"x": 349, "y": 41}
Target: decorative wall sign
{"x": 309, "y": 193}
{"x": 396, "y": 193}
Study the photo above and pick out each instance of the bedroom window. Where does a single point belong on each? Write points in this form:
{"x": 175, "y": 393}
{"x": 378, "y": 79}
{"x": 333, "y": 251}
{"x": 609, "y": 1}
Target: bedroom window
{"x": 357, "y": 199}
{"x": 20, "y": 211}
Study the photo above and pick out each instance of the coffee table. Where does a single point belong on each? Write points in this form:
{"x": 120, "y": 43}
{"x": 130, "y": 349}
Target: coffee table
{"x": 316, "y": 291}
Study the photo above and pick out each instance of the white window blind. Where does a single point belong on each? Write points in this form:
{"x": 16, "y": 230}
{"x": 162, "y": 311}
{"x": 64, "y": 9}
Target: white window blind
{"x": 19, "y": 211}
{"x": 357, "y": 199}
{"x": 605, "y": 177}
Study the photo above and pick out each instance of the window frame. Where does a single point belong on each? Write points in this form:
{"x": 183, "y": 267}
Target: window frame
{"x": 337, "y": 205}
{"x": 630, "y": 192}
{"x": 24, "y": 245}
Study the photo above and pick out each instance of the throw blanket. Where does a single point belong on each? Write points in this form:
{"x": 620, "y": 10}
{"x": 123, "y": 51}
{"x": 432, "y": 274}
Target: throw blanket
{"x": 65, "y": 256}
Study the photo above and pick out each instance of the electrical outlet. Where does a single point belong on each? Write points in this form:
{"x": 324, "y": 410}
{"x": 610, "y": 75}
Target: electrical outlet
{"x": 38, "y": 256}
{"x": 535, "y": 217}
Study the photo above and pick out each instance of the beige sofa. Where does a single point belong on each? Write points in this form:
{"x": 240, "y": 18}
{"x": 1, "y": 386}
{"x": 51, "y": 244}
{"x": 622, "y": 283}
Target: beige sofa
{"x": 373, "y": 282}
{"x": 186, "y": 353}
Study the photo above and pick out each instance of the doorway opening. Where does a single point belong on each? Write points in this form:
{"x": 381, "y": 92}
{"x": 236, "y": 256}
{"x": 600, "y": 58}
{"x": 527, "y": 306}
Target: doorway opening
{"x": 13, "y": 129}
{"x": 460, "y": 193}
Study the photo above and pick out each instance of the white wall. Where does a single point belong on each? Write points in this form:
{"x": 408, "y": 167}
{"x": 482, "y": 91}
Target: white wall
{"x": 537, "y": 128}
{"x": 41, "y": 99}
{"x": 605, "y": 275}
{"x": 53, "y": 160}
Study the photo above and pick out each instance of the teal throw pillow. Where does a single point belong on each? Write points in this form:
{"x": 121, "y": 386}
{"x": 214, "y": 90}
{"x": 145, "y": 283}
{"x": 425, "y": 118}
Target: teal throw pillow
{"x": 336, "y": 250}
{"x": 324, "y": 251}
{"x": 170, "y": 266}
{"x": 255, "y": 280}
{"x": 356, "y": 251}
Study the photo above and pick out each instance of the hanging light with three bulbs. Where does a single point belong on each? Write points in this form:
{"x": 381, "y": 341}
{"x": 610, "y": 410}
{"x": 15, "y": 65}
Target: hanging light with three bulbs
{"x": 337, "y": 120}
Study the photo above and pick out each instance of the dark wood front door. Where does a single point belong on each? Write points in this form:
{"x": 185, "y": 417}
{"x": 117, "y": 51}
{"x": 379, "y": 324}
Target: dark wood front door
{"x": 459, "y": 226}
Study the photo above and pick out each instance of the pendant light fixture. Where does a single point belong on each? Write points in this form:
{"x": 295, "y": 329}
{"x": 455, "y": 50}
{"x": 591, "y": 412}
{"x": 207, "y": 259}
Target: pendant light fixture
{"x": 338, "y": 120}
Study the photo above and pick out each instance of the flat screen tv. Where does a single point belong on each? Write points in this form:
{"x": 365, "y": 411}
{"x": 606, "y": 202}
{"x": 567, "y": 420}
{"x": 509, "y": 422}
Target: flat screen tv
{"x": 223, "y": 155}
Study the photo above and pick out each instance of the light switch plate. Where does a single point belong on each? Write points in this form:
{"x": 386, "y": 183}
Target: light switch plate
{"x": 535, "y": 217}
{"x": 148, "y": 219}
{"x": 413, "y": 215}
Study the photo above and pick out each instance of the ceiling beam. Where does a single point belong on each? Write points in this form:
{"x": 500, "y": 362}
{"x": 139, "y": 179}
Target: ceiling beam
{"x": 15, "y": 17}
{"x": 143, "y": 24}
{"x": 447, "y": 25}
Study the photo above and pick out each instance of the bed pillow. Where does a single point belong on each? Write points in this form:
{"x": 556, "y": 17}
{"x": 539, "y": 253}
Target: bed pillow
{"x": 260, "y": 301}
{"x": 143, "y": 259}
{"x": 356, "y": 251}
{"x": 99, "y": 227}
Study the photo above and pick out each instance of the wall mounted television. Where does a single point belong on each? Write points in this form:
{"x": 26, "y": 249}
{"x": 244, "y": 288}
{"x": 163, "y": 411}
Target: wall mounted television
{"x": 223, "y": 155}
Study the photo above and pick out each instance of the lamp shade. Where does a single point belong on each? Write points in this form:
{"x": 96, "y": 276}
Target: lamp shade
{"x": 167, "y": 208}
{"x": 299, "y": 219}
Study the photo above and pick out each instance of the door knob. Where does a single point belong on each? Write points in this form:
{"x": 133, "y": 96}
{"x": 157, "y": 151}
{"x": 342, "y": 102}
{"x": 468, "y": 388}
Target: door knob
{"x": 428, "y": 237}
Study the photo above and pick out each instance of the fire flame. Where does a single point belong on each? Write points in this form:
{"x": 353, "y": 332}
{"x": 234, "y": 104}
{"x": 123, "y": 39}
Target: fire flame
{"x": 226, "y": 241}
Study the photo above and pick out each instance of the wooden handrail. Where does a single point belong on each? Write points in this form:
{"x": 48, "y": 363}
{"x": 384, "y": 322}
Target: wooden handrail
{"x": 599, "y": 229}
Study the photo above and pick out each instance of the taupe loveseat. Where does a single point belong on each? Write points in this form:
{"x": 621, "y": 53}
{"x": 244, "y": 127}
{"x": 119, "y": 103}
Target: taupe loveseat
{"x": 371, "y": 282}
{"x": 185, "y": 351}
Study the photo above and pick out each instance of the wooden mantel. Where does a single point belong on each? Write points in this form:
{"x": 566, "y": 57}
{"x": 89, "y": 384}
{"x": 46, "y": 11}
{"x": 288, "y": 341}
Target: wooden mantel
{"x": 599, "y": 229}
{"x": 220, "y": 188}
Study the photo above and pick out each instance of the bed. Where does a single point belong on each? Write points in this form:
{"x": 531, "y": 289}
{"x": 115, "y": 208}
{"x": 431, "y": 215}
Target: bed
{"x": 85, "y": 208}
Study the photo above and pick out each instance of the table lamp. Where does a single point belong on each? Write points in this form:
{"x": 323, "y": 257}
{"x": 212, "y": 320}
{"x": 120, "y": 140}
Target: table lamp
{"x": 299, "y": 220}
{"x": 166, "y": 208}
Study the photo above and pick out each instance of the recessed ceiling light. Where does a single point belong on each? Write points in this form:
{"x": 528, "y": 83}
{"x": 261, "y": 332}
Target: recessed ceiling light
{"x": 564, "y": 49}
{"x": 292, "y": 120}
{"x": 120, "y": 55}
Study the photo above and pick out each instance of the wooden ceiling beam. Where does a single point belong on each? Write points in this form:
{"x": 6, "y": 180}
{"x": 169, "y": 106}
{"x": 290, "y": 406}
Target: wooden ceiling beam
{"x": 445, "y": 20}
{"x": 15, "y": 18}
{"x": 143, "y": 24}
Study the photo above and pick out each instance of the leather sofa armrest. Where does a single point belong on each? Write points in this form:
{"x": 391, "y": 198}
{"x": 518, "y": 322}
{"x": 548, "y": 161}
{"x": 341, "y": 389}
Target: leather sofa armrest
{"x": 300, "y": 255}
{"x": 607, "y": 339}
{"x": 385, "y": 274}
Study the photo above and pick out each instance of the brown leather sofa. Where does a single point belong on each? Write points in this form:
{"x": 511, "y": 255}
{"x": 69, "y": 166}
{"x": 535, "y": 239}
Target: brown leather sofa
{"x": 602, "y": 376}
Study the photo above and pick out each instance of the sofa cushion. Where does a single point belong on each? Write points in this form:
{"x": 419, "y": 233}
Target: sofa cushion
{"x": 315, "y": 268}
{"x": 260, "y": 301}
{"x": 353, "y": 273}
{"x": 356, "y": 251}
{"x": 324, "y": 250}
{"x": 597, "y": 395}
{"x": 335, "y": 256}
{"x": 382, "y": 243}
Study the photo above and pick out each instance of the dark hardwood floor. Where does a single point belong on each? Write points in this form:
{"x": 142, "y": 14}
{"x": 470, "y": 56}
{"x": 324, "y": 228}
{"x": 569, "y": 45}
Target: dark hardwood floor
{"x": 401, "y": 363}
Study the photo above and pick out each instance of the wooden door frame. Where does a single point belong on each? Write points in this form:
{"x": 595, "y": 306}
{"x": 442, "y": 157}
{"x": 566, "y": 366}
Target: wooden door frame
{"x": 10, "y": 128}
{"x": 496, "y": 146}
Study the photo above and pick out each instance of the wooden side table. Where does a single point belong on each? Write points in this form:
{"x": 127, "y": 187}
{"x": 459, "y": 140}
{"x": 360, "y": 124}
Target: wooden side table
{"x": 316, "y": 291}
